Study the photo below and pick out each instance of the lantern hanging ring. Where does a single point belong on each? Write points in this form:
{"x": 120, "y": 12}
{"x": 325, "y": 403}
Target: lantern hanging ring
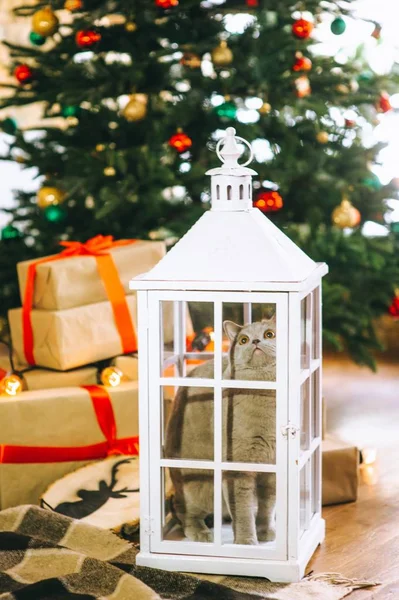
{"x": 236, "y": 137}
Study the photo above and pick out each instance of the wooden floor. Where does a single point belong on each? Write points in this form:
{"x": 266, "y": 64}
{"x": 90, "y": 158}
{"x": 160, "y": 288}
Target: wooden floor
{"x": 362, "y": 538}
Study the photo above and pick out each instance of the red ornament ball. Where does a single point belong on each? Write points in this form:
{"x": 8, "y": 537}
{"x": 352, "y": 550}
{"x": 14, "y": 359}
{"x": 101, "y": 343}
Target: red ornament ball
{"x": 302, "y": 63}
{"x": 166, "y": 3}
{"x": 23, "y": 73}
{"x": 394, "y": 308}
{"x": 302, "y": 28}
{"x": 180, "y": 142}
{"x": 350, "y": 123}
{"x": 269, "y": 201}
{"x": 384, "y": 103}
{"x": 86, "y": 38}
{"x": 252, "y": 3}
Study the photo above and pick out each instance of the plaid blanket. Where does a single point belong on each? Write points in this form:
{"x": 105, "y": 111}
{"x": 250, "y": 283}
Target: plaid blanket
{"x": 47, "y": 556}
{"x": 44, "y": 555}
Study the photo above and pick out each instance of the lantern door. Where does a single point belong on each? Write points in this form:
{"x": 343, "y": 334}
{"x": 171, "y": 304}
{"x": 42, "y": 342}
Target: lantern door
{"x": 305, "y": 411}
{"x": 217, "y": 422}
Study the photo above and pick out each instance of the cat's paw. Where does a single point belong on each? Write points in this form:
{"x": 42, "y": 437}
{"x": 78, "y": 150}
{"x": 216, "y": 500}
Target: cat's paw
{"x": 247, "y": 540}
{"x": 198, "y": 535}
{"x": 267, "y": 535}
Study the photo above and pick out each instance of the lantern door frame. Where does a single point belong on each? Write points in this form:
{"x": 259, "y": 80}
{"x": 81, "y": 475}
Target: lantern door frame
{"x": 155, "y": 464}
{"x": 305, "y": 373}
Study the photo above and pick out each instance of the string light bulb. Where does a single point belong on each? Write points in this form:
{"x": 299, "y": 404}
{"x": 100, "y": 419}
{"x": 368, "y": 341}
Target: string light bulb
{"x": 111, "y": 376}
{"x": 11, "y": 385}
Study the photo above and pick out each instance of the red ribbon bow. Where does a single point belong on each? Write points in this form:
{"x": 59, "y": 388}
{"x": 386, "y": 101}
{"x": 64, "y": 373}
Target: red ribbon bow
{"x": 98, "y": 247}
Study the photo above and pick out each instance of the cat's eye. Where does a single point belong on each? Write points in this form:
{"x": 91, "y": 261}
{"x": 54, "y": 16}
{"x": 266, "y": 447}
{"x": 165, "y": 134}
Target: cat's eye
{"x": 243, "y": 340}
{"x": 269, "y": 334}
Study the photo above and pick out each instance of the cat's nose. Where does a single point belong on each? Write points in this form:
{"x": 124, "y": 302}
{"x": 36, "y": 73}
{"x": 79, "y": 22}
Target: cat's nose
{"x": 256, "y": 342}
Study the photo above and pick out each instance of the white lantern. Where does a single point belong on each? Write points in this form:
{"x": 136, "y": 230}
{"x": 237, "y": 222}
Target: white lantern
{"x": 230, "y": 422}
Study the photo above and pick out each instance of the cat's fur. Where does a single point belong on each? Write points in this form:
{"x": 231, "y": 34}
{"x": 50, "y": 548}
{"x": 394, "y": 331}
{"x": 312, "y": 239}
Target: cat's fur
{"x": 249, "y": 435}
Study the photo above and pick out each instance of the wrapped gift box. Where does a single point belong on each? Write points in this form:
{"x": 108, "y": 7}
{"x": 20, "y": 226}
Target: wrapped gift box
{"x": 340, "y": 471}
{"x": 45, "y": 379}
{"x": 71, "y": 338}
{"x": 51, "y": 420}
{"x": 75, "y": 281}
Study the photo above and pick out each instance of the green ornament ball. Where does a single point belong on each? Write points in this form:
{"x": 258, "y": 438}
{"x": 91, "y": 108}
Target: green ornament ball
{"x": 227, "y": 110}
{"x": 395, "y": 227}
{"x": 338, "y": 26}
{"x": 55, "y": 213}
{"x": 10, "y": 233}
{"x": 36, "y": 39}
{"x": 366, "y": 76}
{"x": 70, "y": 111}
{"x": 9, "y": 125}
{"x": 372, "y": 182}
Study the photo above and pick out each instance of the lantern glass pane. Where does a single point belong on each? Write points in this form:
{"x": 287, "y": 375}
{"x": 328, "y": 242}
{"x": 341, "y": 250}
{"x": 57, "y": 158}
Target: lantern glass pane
{"x": 249, "y": 426}
{"x": 186, "y": 338}
{"x": 250, "y": 328}
{"x": 316, "y": 324}
{"x": 249, "y": 501}
{"x": 188, "y": 495}
{"x": 305, "y": 331}
{"x": 167, "y": 337}
{"x": 316, "y": 471}
{"x": 316, "y": 404}
{"x": 305, "y": 498}
{"x": 188, "y": 414}
{"x": 305, "y": 415}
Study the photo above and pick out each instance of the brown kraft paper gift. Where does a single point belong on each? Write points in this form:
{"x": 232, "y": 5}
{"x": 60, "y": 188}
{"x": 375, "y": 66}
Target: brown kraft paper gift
{"x": 70, "y": 338}
{"x": 340, "y": 471}
{"x": 55, "y": 418}
{"x": 75, "y": 281}
{"x": 44, "y": 379}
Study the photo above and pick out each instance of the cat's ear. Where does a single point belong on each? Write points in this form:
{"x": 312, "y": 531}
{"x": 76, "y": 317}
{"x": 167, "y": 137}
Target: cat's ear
{"x": 271, "y": 320}
{"x": 231, "y": 329}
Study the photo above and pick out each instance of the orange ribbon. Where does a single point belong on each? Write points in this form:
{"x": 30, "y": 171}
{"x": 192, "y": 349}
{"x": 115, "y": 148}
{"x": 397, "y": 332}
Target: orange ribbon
{"x": 10, "y": 454}
{"x": 98, "y": 247}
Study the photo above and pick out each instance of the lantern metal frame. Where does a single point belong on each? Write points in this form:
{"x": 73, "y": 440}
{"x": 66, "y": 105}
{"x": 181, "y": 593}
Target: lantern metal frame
{"x": 299, "y": 525}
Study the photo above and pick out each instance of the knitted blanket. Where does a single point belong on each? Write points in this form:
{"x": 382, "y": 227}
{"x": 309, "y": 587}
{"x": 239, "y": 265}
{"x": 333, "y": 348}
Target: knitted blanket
{"x": 47, "y": 556}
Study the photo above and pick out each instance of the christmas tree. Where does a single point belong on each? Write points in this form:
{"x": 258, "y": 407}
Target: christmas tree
{"x": 134, "y": 94}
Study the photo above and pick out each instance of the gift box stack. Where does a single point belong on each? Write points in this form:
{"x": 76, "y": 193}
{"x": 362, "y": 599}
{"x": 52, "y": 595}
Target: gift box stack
{"x": 76, "y": 311}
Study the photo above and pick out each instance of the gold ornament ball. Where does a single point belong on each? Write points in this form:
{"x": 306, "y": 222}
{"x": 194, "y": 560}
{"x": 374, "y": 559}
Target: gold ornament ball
{"x": 44, "y": 22}
{"x": 130, "y": 26}
{"x": 322, "y": 137}
{"x": 346, "y": 215}
{"x": 48, "y": 196}
{"x": 111, "y": 376}
{"x": 222, "y": 55}
{"x": 113, "y": 125}
{"x": 109, "y": 171}
{"x": 100, "y": 147}
{"x": 342, "y": 88}
{"x": 265, "y": 108}
{"x": 136, "y": 108}
{"x": 20, "y": 159}
{"x": 11, "y": 385}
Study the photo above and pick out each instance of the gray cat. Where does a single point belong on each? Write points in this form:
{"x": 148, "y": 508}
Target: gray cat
{"x": 248, "y": 435}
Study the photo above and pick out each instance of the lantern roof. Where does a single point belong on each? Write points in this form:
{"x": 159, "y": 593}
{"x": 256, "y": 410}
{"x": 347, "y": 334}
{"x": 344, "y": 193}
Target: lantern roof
{"x": 236, "y": 249}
